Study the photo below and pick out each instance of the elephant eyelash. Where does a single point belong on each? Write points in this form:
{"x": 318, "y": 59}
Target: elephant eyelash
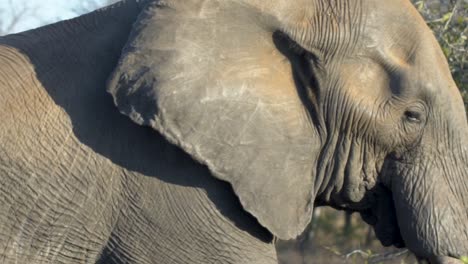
{"x": 413, "y": 116}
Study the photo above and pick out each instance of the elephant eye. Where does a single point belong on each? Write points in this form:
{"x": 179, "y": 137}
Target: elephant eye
{"x": 413, "y": 116}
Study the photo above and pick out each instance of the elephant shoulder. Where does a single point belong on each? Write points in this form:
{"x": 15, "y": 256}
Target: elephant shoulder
{"x": 16, "y": 76}
{"x": 13, "y": 63}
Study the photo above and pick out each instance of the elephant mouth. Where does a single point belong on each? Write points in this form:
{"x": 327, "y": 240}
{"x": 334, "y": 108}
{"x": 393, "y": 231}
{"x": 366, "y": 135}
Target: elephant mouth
{"x": 385, "y": 225}
{"x": 381, "y": 215}
{"x": 378, "y": 210}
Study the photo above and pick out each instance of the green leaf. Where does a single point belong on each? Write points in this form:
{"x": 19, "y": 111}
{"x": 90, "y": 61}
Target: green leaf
{"x": 419, "y": 5}
{"x": 464, "y": 259}
{"x": 460, "y": 20}
{"x": 447, "y": 16}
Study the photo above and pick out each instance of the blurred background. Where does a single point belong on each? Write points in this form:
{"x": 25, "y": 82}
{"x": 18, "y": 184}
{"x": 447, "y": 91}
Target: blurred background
{"x": 333, "y": 236}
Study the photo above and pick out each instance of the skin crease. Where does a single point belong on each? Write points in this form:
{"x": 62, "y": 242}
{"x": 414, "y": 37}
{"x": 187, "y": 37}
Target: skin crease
{"x": 373, "y": 112}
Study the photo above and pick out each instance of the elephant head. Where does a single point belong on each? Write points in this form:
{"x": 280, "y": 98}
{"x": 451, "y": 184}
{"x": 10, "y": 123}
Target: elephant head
{"x": 297, "y": 104}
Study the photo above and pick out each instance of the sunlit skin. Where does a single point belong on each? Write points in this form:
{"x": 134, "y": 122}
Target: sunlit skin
{"x": 200, "y": 131}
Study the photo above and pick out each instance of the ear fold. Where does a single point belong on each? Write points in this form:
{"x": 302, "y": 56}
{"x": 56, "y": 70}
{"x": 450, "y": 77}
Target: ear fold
{"x": 207, "y": 76}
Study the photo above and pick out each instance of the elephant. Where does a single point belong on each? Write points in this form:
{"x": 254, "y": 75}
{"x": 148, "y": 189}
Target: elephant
{"x": 203, "y": 131}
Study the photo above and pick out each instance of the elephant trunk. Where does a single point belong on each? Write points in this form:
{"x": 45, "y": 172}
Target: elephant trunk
{"x": 431, "y": 204}
{"x": 445, "y": 260}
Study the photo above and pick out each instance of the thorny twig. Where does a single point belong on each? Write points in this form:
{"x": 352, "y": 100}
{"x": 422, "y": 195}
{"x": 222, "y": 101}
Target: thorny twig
{"x": 449, "y": 20}
{"x": 371, "y": 258}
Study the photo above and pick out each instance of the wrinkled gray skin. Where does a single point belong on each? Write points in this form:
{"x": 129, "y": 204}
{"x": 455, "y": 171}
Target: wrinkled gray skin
{"x": 223, "y": 123}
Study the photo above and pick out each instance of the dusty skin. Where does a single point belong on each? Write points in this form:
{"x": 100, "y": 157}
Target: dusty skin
{"x": 199, "y": 131}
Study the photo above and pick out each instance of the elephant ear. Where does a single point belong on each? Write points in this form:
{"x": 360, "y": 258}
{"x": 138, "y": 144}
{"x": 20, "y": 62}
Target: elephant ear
{"x": 208, "y": 76}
